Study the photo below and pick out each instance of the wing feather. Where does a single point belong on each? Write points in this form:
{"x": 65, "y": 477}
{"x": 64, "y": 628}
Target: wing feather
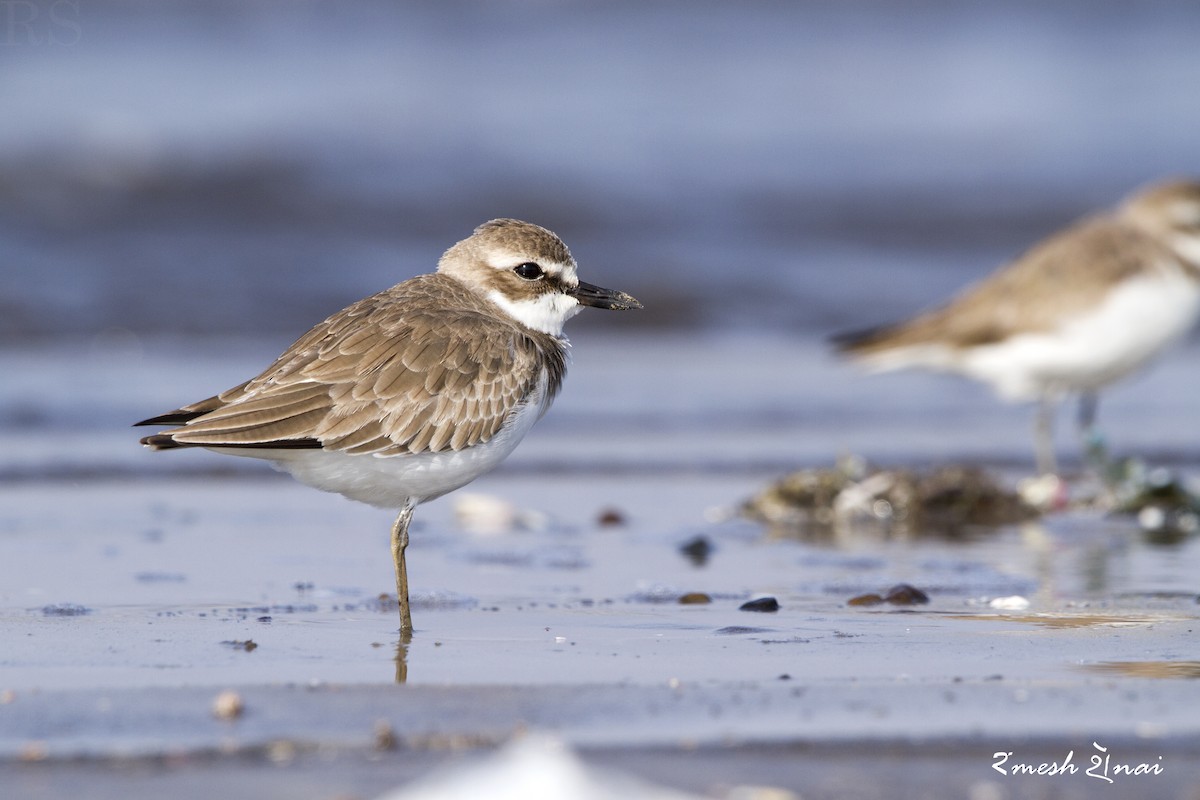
{"x": 388, "y": 376}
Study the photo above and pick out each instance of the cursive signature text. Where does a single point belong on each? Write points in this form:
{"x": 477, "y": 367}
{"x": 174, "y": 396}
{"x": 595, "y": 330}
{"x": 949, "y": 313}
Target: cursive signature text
{"x": 1101, "y": 766}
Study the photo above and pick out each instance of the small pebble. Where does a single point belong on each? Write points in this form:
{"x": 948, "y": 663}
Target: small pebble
{"x": 1045, "y": 492}
{"x": 610, "y": 517}
{"x": 904, "y": 595}
{"x": 160, "y": 577}
{"x": 228, "y": 705}
{"x": 767, "y": 604}
{"x": 281, "y": 751}
{"x": 384, "y": 602}
{"x": 65, "y": 610}
{"x": 384, "y": 735}
{"x": 694, "y": 599}
{"x": 488, "y": 515}
{"x": 697, "y": 550}
{"x": 33, "y": 751}
{"x": 1011, "y": 603}
{"x": 760, "y": 793}
{"x": 865, "y": 600}
{"x": 1151, "y": 518}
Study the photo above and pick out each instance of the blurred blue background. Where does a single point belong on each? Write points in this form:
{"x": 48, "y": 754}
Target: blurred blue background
{"x": 223, "y": 167}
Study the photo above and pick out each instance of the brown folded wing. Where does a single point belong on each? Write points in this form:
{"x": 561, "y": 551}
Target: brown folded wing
{"x": 425, "y": 366}
{"x": 1067, "y": 273}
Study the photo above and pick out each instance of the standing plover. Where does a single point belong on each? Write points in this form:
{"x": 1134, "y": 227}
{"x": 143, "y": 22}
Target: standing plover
{"x": 1078, "y": 311}
{"x": 415, "y": 391}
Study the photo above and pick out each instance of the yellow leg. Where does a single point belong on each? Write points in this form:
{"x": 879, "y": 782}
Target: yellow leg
{"x": 399, "y": 543}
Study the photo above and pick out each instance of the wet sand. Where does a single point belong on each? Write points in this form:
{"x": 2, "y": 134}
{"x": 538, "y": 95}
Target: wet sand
{"x": 136, "y": 587}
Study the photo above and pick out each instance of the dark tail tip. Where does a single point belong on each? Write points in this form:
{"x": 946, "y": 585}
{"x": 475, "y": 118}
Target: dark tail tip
{"x": 161, "y": 441}
{"x": 170, "y": 418}
{"x": 851, "y": 341}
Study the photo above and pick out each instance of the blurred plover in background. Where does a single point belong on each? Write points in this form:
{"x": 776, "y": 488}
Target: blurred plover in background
{"x": 415, "y": 391}
{"x": 1080, "y": 310}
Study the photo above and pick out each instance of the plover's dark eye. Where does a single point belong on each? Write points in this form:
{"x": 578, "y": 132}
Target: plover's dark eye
{"x": 529, "y": 271}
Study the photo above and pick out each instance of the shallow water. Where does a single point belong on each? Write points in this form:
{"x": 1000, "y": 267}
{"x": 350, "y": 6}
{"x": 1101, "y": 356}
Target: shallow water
{"x": 203, "y": 546}
{"x": 162, "y": 585}
{"x": 134, "y": 586}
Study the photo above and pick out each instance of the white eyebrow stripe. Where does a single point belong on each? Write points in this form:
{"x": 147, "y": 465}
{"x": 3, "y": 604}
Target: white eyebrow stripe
{"x": 510, "y": 260}
{"x": 565, "y": 273}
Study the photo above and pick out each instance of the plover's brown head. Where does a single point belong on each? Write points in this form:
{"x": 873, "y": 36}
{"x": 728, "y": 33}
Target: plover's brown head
{"x": 1170, "y": 210}
{"x": 529, "y": 273}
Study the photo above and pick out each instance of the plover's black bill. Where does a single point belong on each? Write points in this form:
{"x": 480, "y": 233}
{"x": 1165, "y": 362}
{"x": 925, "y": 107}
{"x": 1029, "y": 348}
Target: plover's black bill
{"x": 590, "y": 295}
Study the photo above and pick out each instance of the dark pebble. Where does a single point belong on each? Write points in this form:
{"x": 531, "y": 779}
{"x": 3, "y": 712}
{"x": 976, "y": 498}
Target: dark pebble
{"x": 760, "y": 604}
{"x": 865, "y": 600}
{"x": 697, "y": 550}
{"x": 904, "y": 595}
{"x": 65, "y": 610}
{"x": 694, "y": 599}
{"x": 610, "y": 517}
{"x": 159, "y": 577}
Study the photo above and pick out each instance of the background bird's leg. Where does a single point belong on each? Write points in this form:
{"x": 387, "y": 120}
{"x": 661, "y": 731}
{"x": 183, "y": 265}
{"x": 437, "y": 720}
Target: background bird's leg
{"x": 1044, "y": 435}
{"x": 1112, "y": 473}
{"x": 1088, "y": 403}
{"x": 399, "y": 543}
{"x": 1095, "y": 449}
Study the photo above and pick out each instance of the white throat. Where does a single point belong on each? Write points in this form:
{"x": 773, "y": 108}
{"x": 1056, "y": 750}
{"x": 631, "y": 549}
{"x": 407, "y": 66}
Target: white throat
{"x": 546, "y": 313}
{"x": 1187, "y": 246}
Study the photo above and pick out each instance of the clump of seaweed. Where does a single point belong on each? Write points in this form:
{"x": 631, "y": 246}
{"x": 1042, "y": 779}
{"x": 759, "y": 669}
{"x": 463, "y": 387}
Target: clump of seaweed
{"x": 946, "y": 501}
{"x": 1165, "y": 508}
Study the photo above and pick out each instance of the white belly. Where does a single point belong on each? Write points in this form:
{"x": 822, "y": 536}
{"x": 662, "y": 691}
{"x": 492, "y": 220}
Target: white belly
{"x": 395, "y": 481}
{"x": 1134, "y": 323}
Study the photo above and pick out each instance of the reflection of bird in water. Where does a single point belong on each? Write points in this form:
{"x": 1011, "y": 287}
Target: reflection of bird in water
{"x": 1080, "y": 310}
{"x": 402, "y": 658}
